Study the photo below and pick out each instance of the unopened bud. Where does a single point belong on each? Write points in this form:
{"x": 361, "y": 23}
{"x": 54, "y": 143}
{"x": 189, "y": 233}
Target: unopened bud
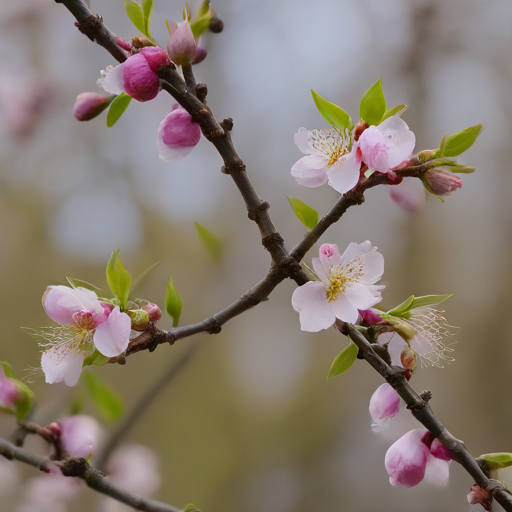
{"x": 90, "y": 104}
{"x": 426, "y": 155}
{"x": 408, "y": 358}
{"x": 153, "y": 311}
{"x": 200, "y": 54}
{"x": 140, "y": 319}
{"x": 369, "y": 317}
{"x": 441, "y": 182}
{"x": 141, "y": 42}
{"x": 182, "y": 46}
{"x": 359, "y": 129}
{"x": 216, "y": 25}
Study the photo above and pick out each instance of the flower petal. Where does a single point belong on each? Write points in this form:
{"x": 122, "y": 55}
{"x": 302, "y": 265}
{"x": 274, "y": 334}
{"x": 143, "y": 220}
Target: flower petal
{"x": 111, "y": 338}
{"x": 301, "y": 138}
{"x": 329, "y": 256}
{"x": 315, "y": 312}
{"x": 80, "y": 435}
{"x": 345, "y": 176}
{"x": 384, "y": 405}
{"x": 344, "y": 309}
{"x": 400, "y": 140}
{"x": 373, "y": 266}
{"x": 113, "y": 79}
{"x": 437, "y": 470}
{"x": 310, "y": 171}
{"x": 58, "y": 366}
{"x": 374, "y": 149}
{"x": 362, "y": 296}
{"x": 409, "y": 195}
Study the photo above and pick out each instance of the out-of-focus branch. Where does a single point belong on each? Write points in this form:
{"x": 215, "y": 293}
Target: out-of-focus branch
{"x": 93, "y": 478}
{"x": 424, "y": 414}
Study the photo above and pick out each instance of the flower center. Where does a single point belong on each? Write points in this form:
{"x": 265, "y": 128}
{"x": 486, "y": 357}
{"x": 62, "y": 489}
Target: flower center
{"x": 340, "y": 277}
{"x": 64, "y": 339}
{"x": 332, "y": 143}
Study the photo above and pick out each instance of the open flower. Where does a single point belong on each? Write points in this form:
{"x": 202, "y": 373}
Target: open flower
{"x": 86, "y": 324}
{"x": 387, "y": 145}
{"x": 177, "y": 135}
{"x": 136, "y": 76}
{"x": 328, "y": 159}
{"x": 415, "y": 456}
{"x": 347, "y": 283}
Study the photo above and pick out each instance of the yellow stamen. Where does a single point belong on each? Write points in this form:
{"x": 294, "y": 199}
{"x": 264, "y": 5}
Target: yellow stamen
{"x": 339, "y": 277}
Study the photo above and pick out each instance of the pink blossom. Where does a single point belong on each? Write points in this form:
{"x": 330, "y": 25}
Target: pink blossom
{"x": 328, "y": 160}
{"x": 137, "y": 75}
{"x": 86, "y": 324}
{"x": 441, "y": 182}
{"x": 181, "y": 46}
{"x": 369, "y": 317}
{"x": 80, "y": 435}
{"x": 347, "y": 283}
{"x": 387, "y": 145}
{"x": 409, "y": 194}
{"x": 411, "y": 459}
{"x": 177, "y": 135}
{"x": 201, "y": 52}
{"x": 9, "y": 392}
{"x": 153, "y": 311}
{"x": 384, "y": 406}
{"x": 88, "y": 105}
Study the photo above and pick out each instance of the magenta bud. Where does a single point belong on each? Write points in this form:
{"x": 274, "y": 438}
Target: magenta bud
{"x": 124, "y": 44}
{"x": 88, "y": 105}
{"x": 369, "y": 317}
{"x": 437, "y": 449}
{"x": 153, "y": 311}
{"x": 200, "y": 54}
{"x": 55, "y": 429}
{"x": 441, "y": 182}
{"x": 156, "y": 57}
{"x": 182, "y": 45}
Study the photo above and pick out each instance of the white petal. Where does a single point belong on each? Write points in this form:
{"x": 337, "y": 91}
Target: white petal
{"x": 361, "y": 296}
{"x": 301, "y": 138}
{"x": 172, "y": 154}
{"x": 345, "y": 310}
{"x": 399, "y": 138}
{"x": 345, "y": 176}
{"x": 437, "y": 470}
{"x": 355, "y": 250}
{"x": 373, "y": 267}
{"x": 58, "y": 366}
{"x": 113, "y": 79}
{"x": 111, "y": 338}
{"x": 310, "y": 171}
{"x": 315, "y": 312}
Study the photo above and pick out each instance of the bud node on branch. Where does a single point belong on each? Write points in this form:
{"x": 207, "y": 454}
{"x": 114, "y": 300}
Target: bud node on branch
{"x": 227, "y": 124}
{"x": 426, "y": 396}
{"x": 232, "y": 168}
{"x": 201, "y": 92}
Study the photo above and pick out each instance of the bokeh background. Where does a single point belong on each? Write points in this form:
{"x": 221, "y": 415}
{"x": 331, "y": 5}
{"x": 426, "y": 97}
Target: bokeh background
{"x": 251, "y": 423}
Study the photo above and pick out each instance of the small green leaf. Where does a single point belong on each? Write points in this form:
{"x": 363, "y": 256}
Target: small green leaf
{"x": 96, "y": 358}
{"x": 117, "y": 108}
{"x": 213, "y": 243}
{"x": 106, "y": 399}
{"x": 429, "y": 300}
{"x": 461, "y": 169}
{"x": 134, "y": 12}
{"x": 173, "y": 302}
{"x": 332, "y": 113}
{"x": 343, "y": 361}
{"x": 304, "y": 213}
{"x": 497, "y": 460}
{"x": 204, "y": 9}
{"x": 190, "y": 508}
{"x": 373, "y": 104}
{"x": 403, "y": 308}
{"x": 453, "y": 144}
{"x": 78, "y": 283}
{"x": 398, "y": 110}
{"x": 199, "y": 27}
{"x": 147, "y": 10}
{"x": 118, "y": 279}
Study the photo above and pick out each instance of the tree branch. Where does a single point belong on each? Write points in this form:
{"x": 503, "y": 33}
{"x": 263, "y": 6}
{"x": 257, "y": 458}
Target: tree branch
{"x": 424, "y": 414}
{"x": 93, "y": 478}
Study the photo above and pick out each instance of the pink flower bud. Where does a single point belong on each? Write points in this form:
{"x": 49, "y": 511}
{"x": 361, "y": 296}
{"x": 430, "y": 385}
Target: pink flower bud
{"x": 408, "y": 358}
{"x": 200, "y": 54}
{"x": 177, "y": 135}
{"x": 437, "y": 449}
{"x": 369, "y": 317}
{"x": 80, "y": 435}
{"x": 9, "y": 392}
{"x": 153, "y": 311}
{"x": 90, "y": 104}
{"x": 384, "y": 405}
{"x": 441, "y": 182}
{"x": 182, "y": 45}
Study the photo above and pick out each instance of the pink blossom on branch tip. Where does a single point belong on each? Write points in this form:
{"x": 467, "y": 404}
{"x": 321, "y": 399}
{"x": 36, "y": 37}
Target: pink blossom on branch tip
{"x": 181, "y": 46}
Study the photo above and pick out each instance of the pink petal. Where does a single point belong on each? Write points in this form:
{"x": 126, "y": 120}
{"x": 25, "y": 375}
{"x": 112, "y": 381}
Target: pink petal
{"x": 111, "y": 338}
{"x": 437, "y": 470}
{"x": 329, "y": 256}
{"x": 374, "y": 149}
{"x": 80, "y": 435}
{"x": 344, "y": 309}
{"x": 344, "y": 175}
{"x": 139, "y": 80}
{"x": 373, "y": 267}
{"x": 384, "y": 405}
{"x": 315, "y": 312}
{"x": 399, "y": 139}
{"x": 406, "y": 459}
{"x": 437, "y": 449}
{"x": 301, "y": 138}
{"x": 156, "y": 57}
{"x": 58, "y": 366}
{"x": 181, "y": 46}
{"x": 310, "y": 171}
{"x": 362, "y": 296}
{"x": 409, "y": 195}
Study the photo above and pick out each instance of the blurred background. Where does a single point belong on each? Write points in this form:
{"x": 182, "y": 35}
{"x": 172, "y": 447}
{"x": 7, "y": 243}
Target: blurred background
{"x": 252, "y": 423}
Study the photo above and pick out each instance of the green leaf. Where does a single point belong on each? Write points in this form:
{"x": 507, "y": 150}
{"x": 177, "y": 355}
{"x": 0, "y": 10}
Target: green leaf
{"x": 134, "y": 12}
{"x": 373, "y": 104}
{"x": 213, "y": 243}
{"x": 460, "y": 169}
{"x": 199, "y": 27}
{"x": 204, "y": 9}
{"x": 96, "y": 358}
{"x": 453, "y": 144}
{"x": 332, "y": 113}
{"x": 190, "y": 508}
{"x": 497, "y": 460}
{"x": 141, "y": 279}
{"x": 398, "y": 110}
{"x": 118, "y": 279}
{"x": 25, "y": 401}
{"x": 78, "y": 283}
{"x": 117, "y": 108}
{"x": 403, "y": 308}
{"x": 343, "y": 361}
{"x": 429, "y": 300}
{"x": 106, "y": 399}
{"x": 147, "y": 9}
{"x": 173, "y": 302}
{"x": 304, "y": 213}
